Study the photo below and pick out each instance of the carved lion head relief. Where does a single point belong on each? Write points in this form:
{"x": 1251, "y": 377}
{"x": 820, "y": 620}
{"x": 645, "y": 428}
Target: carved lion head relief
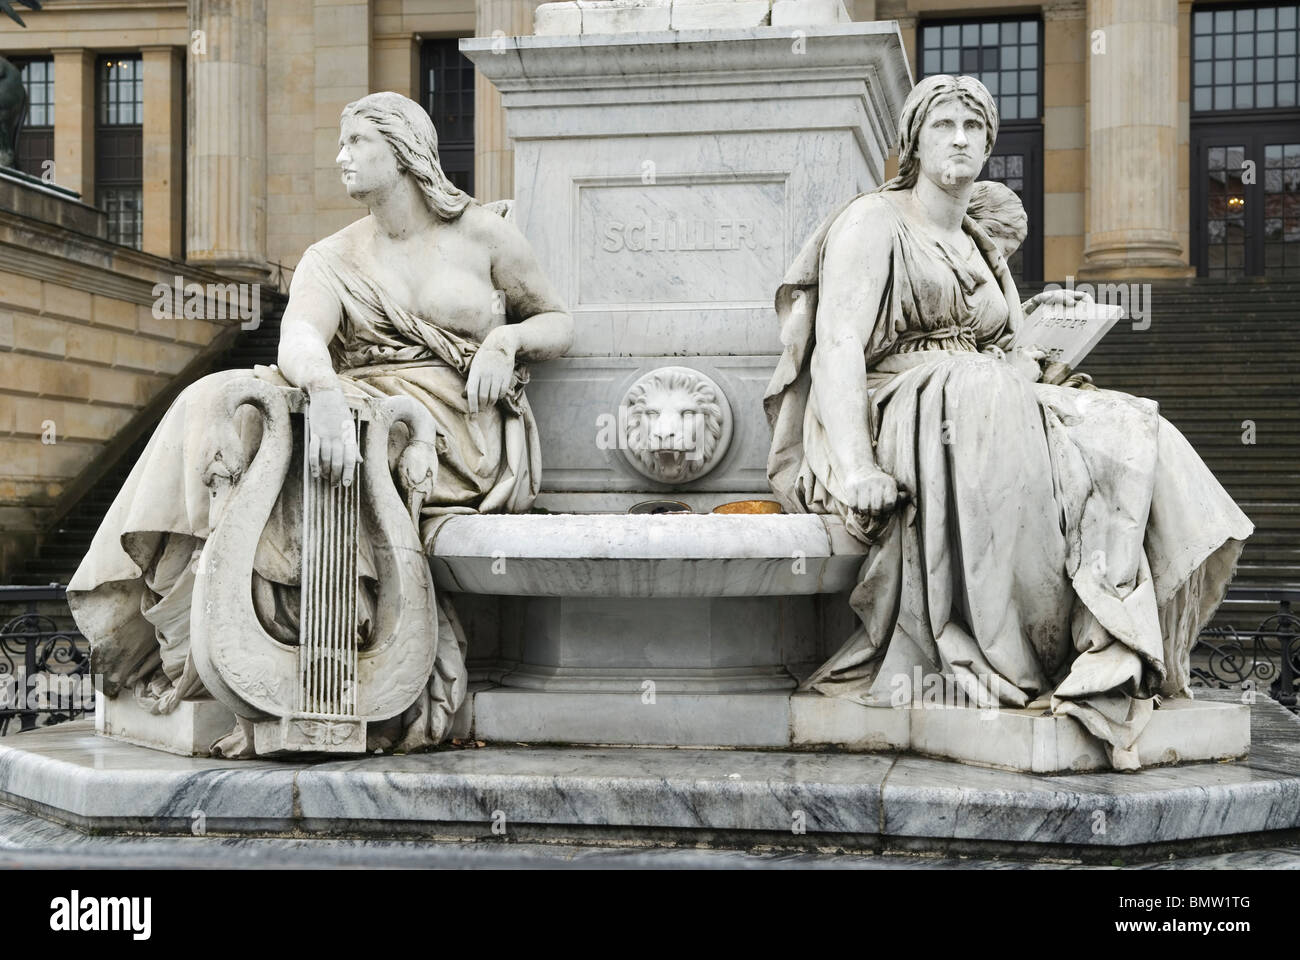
{"x": 678, "y": 425}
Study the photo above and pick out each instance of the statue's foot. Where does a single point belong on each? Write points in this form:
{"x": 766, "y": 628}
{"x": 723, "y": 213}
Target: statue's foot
{"x": 237, "y": 744}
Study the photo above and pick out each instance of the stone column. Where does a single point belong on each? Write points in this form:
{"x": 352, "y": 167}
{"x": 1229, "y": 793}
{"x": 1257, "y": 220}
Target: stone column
{"x": 74, "y": 121}
{"x": 494, "y": 159}
{"x": 1065, "y": 97}
{"x": 344, "y": 68}
{"x": 164, "y": 150}
{"x": 1132, "y": 141}
{"x": 226, "y": 227}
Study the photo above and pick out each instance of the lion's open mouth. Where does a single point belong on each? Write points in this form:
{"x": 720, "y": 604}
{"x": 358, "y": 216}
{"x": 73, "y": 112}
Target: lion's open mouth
{"x": 670, "y": 461}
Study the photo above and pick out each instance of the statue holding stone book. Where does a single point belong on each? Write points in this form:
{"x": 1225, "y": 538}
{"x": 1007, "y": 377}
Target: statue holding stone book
{"x": 1036, "y": 544}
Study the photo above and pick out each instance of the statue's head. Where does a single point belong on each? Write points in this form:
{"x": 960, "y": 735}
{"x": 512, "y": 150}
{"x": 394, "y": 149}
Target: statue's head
{"x": 945, "y": 132}
{"x": 1000, "y": 214}
{"x": 386, "y": 136}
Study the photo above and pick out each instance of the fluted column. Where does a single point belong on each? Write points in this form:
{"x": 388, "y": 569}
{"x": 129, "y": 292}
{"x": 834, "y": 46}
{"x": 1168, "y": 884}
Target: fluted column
{"x": 494, "y": 159}
{"x": 1132, "y": 140}
{"x": 227, "y": 126}
{"x": 164, "y": 150}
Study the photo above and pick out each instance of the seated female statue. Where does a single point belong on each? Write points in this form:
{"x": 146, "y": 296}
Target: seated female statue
{"x": 1036, "y": 545}
{"x": 431, "y": 296}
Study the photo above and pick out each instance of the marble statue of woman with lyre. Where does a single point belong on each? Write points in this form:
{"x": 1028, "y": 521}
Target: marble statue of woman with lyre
{"x": 405, "y": 341}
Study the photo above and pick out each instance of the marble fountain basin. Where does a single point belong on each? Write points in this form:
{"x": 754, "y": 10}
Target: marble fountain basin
{"x": 669, "y": 629}
{"x": 631, "y": 555}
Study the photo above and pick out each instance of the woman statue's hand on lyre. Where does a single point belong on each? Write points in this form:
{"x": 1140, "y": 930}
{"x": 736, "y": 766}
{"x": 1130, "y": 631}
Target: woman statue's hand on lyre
{"x": 332, "y": 445}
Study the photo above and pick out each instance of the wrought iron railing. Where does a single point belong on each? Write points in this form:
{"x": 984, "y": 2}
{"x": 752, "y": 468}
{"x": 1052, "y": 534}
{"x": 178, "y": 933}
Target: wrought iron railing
{"x": 1266, "y": 657}
{"x": 44, "y": 670}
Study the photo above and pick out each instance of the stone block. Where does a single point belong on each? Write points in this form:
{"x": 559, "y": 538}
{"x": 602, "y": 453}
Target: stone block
{"x": 83, "y": 421}
{"x": 20, "y": 291}
{"x": 65, "y": 301}
{"x": 818, "y": 720}
{"x": 89, "y": 343}
{"x": 625, "y": 16}
{"x": 41, "y": 376}
{"x": 557, "y": 19}
{"x": 1027, "y": 740}
{"x": 719, "y": 14}
{"x": 117, "y": 386}
{"x": 42, "y": 335}
{"x": 727, "y": 720}
{"x": 109, "y": 312}
{"x": 802, "y": 13}
{"x": 189, "y": 730}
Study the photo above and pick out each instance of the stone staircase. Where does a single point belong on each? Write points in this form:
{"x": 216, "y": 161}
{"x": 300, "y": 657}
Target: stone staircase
{"x": 1220, "y": 356}
{"x": 61, "y": 550}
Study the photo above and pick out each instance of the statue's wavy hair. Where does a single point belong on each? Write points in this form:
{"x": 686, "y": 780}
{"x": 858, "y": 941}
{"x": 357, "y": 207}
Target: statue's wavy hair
{"x": 409, "y": 131}
{"x": 923, "y": 98}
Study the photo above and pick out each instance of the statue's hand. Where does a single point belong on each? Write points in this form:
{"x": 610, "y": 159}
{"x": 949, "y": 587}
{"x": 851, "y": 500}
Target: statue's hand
{"x": 1028, "y": 363}
{"x": 1059, "y": 298}
{"x": 490, "y": 370}
{"x": 872, "y": 492}
{"x": 332, "y": 447}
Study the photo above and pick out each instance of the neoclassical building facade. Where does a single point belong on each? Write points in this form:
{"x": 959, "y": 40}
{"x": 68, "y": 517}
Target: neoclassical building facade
{"x": 206, "y": 130}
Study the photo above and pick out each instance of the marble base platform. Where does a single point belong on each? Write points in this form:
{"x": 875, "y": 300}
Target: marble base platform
{"x": 1181, "y": 731}
{"x": 724, "y": 798}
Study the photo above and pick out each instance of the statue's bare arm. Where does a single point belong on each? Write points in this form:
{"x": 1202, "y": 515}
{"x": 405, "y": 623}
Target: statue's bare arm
{"x": 854, "y": 269}
{"x": 543, "y": 328}
{"x": 309, "y": 323}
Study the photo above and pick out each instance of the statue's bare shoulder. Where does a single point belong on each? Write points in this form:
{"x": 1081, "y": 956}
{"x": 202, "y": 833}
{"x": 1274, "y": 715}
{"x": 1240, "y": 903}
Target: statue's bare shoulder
{"x": 866, "y": 225}
{"x": 354, "y": 238}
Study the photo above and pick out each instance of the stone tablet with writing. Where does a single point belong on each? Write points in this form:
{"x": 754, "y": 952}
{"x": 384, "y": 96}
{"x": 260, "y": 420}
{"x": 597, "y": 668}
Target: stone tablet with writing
{"x": 1067, "y": 333}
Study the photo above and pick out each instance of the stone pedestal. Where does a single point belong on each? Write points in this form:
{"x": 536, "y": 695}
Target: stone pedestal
{"x": 666, "y": 178}
{"x": 189, "y": 730}
{"x": 1028, "y": 741}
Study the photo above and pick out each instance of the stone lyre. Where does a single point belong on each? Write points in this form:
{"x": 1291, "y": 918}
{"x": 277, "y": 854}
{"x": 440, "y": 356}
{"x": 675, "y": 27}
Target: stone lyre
{"x": 327, "y": 647}
{"x": 320, "y": 693}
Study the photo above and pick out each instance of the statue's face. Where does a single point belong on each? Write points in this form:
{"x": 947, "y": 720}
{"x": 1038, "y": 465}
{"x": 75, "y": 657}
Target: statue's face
{"x": 953, "y": 144}
{"x": 1006, "y": 245}
{"x": 366, "y": 159}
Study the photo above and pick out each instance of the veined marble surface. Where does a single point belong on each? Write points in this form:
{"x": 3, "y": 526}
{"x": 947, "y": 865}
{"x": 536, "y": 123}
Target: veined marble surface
{"x": 601, "y": 795}
{"x": 30, "y": 842}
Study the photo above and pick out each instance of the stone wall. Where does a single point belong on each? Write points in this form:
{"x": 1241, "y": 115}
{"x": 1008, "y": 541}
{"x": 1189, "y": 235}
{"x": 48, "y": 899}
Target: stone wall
{"x": 81, "y": 352}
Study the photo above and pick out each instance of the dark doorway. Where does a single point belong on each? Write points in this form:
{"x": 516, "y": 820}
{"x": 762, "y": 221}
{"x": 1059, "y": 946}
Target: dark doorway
{"x": 1246, "y": 199}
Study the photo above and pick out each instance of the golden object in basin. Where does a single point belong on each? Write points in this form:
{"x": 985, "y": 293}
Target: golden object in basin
{"x": 749, "y": 506}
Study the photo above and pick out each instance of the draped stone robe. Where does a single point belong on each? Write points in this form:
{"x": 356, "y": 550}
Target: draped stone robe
{"x": 1053, "y": 541}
